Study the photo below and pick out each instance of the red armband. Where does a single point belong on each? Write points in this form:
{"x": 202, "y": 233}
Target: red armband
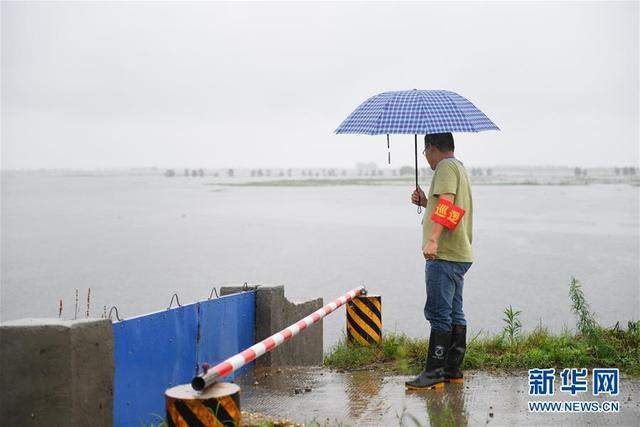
{"x": 447, "y": 214}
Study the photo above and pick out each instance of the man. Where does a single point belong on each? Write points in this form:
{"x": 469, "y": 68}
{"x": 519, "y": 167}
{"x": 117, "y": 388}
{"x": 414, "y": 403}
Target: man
{"x": 448, "y": 257}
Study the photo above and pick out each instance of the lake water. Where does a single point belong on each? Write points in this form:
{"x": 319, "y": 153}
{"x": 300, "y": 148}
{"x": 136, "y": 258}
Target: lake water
{"x": 136, "y": 240}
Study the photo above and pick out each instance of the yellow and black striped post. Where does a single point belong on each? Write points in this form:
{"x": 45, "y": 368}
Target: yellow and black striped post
{"x": 364, "y": 319}
{"x": 218, "y": 405}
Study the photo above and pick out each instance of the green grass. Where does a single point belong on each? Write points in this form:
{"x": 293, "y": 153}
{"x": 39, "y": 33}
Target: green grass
{"x": 324, "y": 182}
{"x": 320, "y": 182}
{"x": 590, "y": 346}
{"x": 615, "y": 347}
{"x": 377, "y": 181}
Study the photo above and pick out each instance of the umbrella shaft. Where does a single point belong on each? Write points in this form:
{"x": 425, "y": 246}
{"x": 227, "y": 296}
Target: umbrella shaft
{"x": 415, "y": 146}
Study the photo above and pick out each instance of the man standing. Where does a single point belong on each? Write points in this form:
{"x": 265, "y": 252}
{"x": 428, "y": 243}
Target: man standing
{"x": 446, "y": 246}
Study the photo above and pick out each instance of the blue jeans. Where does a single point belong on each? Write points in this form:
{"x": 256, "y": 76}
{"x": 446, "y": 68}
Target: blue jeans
{"x": 444, "y": 280}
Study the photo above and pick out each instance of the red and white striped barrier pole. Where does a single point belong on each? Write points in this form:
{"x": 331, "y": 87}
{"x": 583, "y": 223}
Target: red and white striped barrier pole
{"x": 239, "y": 360}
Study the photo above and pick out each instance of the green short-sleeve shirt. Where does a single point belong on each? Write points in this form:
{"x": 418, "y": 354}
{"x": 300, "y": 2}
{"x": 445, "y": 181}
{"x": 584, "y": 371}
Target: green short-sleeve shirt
{"x": 450, "y": 176}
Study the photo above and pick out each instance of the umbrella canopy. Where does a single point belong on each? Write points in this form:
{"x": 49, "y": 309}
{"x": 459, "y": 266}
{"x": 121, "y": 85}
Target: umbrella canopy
{"x": 416, "y": 112}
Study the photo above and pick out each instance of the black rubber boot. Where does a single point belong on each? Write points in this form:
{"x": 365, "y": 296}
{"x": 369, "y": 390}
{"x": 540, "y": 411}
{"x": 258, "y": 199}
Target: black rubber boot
{"x": 455, "y": 355}
{"x": 433, "y": 374}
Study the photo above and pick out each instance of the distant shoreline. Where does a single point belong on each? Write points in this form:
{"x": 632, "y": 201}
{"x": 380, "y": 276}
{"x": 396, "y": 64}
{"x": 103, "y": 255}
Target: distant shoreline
{"x": 354, "y": 177}
{"x": 406, "y": 181}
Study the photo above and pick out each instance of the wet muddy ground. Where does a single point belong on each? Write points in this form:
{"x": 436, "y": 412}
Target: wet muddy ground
{"x": 367, "y": 398}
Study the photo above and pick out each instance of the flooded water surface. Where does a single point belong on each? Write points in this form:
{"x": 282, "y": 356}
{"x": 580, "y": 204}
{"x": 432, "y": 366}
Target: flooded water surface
{"x": 368, "y": 398}
{"x": 136, "y": 240}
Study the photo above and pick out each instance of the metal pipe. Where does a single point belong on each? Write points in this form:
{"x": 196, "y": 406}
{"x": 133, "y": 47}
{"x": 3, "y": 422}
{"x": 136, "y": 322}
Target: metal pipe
{"x": 415, "y": 155}
{"x": 239, "y": 360}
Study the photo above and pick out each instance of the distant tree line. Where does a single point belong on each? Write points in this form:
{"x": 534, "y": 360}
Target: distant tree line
{"x": 626, "y": 171}
{"x": 378, "y": 172}
{"x": 481, "y": 172}
{"x": 366, "y": 170}
{"x": 580, "y": 172}
{"x": 187, "y": 172}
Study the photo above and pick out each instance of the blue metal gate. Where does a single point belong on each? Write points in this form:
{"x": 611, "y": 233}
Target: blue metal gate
{"x": 163, "y": 349}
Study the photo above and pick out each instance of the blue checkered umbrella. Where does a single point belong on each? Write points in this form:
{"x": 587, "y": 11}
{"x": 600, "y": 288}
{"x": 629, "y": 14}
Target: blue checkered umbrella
{"x": 416, "y": 112}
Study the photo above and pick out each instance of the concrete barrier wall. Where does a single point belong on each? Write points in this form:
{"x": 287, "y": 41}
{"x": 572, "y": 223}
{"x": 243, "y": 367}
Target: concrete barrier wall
{"x": 56, "y": 372}
{"x": 164, "y": 349}
{"x": 274, "y": 312}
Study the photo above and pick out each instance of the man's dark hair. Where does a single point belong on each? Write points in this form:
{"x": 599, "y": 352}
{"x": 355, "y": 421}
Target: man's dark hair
{"x": 442, "y": 141}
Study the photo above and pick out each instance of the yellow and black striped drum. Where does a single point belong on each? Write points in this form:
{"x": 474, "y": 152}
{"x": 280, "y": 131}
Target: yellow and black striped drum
{"x": 218, "y": 405}
{"x": 364, "y": 319}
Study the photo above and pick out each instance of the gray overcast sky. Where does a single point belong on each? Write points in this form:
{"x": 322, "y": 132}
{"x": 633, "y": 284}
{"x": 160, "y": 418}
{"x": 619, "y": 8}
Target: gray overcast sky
{"x": 245, "y": 85}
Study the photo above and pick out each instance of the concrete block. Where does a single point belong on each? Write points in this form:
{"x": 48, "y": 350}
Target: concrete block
{"x": 274, "y": 313}
{"x": 56, "y": 372}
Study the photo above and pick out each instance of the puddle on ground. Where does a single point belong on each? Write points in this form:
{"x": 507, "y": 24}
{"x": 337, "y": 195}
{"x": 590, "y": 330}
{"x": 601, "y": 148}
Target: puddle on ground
{"x": 367, "y": 398}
